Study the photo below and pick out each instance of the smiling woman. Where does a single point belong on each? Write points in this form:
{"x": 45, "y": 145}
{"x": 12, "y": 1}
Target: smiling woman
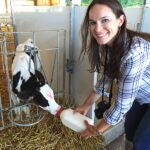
{"x": 118, "y": 53}
{"x": 103, "y": 24}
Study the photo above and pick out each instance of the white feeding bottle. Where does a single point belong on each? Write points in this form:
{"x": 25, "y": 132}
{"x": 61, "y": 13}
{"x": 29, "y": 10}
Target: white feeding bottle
{"x": 74, "y": 121}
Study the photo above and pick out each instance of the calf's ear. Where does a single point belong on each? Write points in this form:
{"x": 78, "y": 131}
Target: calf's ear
{"x": 40, "y": 78}
{"x": 39, "y": 99}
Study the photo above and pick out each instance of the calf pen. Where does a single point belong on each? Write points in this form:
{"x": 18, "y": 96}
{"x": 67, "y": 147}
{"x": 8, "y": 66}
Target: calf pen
{"x": 41, "y": 130}
{"x": 52, "y": 69}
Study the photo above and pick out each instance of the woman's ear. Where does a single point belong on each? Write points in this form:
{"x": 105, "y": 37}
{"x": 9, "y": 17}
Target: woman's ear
{"x": 121, "y": 20}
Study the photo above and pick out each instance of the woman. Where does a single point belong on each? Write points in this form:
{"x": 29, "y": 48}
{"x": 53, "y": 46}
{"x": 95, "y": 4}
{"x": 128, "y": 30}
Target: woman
{"x": 125, "y": 56}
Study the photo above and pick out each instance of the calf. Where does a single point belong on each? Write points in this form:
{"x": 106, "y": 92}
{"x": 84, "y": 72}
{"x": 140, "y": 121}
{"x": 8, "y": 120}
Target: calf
{"x": 29, "y": 82}
{"x": 44, "y": 97}
{"x": 25, "y": 78}
{"x": 23, "y": 70}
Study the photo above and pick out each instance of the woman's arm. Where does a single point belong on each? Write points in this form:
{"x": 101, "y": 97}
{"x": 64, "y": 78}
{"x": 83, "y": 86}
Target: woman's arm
{"x": 102, "y": 126}
{"x": 91, "y": 130}
{"x": 83, "y": 109}
{"x": 133, "y": 67}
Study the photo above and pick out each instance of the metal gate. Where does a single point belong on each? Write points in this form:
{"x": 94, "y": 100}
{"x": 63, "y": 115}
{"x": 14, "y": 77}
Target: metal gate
{"x": 52, "y": 50}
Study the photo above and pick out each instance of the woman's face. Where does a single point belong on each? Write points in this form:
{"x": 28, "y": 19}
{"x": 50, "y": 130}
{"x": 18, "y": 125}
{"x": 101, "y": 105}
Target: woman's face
{"x": 103, "y": 24}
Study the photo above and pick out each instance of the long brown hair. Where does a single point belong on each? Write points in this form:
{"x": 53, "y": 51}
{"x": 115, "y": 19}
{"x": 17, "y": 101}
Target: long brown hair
{"x": 97, "y": 52}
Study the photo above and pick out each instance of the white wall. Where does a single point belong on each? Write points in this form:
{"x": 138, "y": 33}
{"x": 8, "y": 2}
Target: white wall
{"x": 81, "y": 79}
{"x": 145, "y": 21}
{"x": 134, "y": 17}
{"x": 30, "y": 18}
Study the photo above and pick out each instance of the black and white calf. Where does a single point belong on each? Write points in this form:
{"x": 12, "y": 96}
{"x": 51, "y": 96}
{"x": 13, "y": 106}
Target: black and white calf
{"x": 44, "y": 97}
{"x": 25, "y": 78}
{"x": 29, "y": 82}
{"x": 23, "y": 70}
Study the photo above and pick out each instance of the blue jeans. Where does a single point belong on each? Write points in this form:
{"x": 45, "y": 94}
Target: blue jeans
{"x": 137, "y": 126}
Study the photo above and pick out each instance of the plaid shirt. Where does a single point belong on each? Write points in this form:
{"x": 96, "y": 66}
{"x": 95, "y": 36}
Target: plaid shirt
{"x": 134, "y": 83}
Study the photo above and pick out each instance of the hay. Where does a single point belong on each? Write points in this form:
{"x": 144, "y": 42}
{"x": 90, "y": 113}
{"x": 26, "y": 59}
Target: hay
{"x": 6, "y": 31}
{"x": 49, "y": 134}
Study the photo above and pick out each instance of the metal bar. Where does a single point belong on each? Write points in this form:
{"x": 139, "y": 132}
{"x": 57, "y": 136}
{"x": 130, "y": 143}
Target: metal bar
{"x": 13, "y": 22}
{"x": 64, "y": 63}
{"x": 58, "y": 61}
{"x": 7, "y": 73}
{"x": 36, "y": 31}
{"x": 71, "y": 47}
{"x": 1, "y": 113}
{"x": 94, "y": 105}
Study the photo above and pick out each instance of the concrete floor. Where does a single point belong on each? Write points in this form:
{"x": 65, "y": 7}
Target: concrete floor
{"x": 115, "y": 138}
{"x": 117, "y": 144}
{"x": 114, "y": 133}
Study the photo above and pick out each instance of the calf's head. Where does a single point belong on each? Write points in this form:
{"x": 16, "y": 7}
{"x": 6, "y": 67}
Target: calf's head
{"x": 44, "y": 97}
{"x": 28, "y": 47}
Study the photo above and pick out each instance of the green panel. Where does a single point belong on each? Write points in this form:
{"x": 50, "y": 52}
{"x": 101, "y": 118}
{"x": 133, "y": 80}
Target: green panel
{"x": 127, "y": 3}
{"x": 124, "y": 3}
{"x": 85, "y": 2}
{"x": 68, "y": 2}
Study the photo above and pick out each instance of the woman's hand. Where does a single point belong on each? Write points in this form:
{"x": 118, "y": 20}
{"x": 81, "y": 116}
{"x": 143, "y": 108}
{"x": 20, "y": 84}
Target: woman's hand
{"x": 90, "y": 131}
{"x": 82, "y": 109}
